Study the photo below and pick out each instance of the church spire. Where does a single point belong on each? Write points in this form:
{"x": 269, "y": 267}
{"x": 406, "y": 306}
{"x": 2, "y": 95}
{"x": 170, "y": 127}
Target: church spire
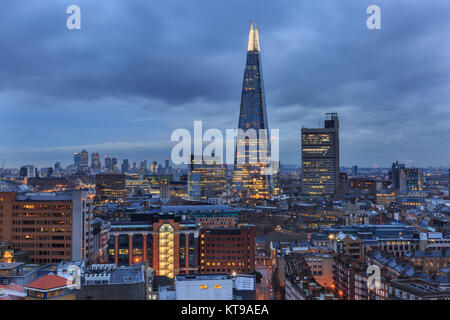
{"x": 253, "y": 38}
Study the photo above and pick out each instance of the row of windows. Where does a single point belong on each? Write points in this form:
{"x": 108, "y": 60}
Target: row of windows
{"x": 53, "y": 253}
{"x": 42, "y": 207}
{"x": 43, "y": 222}
{"x": 225, "y": 258}
{"x": 42, "y": 230}
{"x": 224, "y": 245}
{"x": 224, "y": 270}
{"x": 225, "y": 251}
{"x": 44, "y": 245}
{"x": 41, "y": 238}
{"x": 40, "y": 214}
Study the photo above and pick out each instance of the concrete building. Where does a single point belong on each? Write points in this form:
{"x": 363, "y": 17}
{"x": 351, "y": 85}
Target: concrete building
{"x": 204, "y": 287}
{"x": 417, "y": 289}
{"x": 398, "y": 174}
{"x": 27, "y": 171}
{"x": 108, "y": 282}
{"x": 321, "y": 266}
{"x": 51, "y": 227}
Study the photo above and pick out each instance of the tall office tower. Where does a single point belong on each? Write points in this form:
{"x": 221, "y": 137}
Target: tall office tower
{"x": 252, "y": 177}
{"x": 206, "y": 180}
{"x": 114, "y": 164}
{"x": 414, "y": 179}
{"x": 27, "y": 171}
{"x": 320, "y": 159}
{"x": 153, "y": 167}
{"x": 355, "y": 171}
{"x": 166, "y": 166}
{"x": 77, "y": 161}
{"x": 95, "y": 162}
{"x": 108, "y": 164}
{"x": 143, "y": 167}
{"x": 125, "y": 166}
{"x": 48, "y": 172}
{"x": 398, "y": 176}
{"x": 84, "y": 161}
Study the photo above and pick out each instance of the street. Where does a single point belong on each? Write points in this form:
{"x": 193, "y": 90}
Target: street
{"x": 263, "y": 289}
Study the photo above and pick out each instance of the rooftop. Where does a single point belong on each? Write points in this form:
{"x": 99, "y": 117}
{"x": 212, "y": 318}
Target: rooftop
{"x": 193, "y": 277}
{"x": 44, "y": 197}
{"x": 49, "y": 282}
{"x": 9, "y": 266}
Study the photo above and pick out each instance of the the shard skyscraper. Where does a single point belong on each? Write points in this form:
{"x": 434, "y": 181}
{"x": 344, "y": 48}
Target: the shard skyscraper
{"x": 252, "y": 177}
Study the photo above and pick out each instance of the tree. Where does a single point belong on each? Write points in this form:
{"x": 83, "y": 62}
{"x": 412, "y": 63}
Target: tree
{"x": 258, "y": 276}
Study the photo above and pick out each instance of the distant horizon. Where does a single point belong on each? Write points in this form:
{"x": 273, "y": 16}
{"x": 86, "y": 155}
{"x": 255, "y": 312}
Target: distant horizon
{"x": 282, "y": 165}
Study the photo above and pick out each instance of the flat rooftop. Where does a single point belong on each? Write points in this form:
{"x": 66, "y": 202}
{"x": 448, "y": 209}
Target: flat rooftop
{"x": 44, "y": 197}
{"x": 194, "y": 277}
{"x": 10, "y": 265}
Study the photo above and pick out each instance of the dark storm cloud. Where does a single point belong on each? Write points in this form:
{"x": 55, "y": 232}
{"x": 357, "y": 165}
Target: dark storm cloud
{"x": 175, "y": 51}
{"x": 184, "y": 60}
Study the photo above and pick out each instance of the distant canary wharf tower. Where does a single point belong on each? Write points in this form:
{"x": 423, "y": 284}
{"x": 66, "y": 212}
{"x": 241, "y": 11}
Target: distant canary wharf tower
{"x": 252, "y": 177}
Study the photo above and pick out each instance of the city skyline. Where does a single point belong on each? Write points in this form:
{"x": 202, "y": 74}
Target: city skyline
{"x": 389, "y": 87}
{"x": 224, "y": 155}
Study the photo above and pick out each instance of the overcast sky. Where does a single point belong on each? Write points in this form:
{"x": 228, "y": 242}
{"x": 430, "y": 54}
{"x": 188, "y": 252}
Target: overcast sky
{"x": 137, "y": 70}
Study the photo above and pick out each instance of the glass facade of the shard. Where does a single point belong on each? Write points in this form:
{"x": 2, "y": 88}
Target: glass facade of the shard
{"x": 252, "y": 176}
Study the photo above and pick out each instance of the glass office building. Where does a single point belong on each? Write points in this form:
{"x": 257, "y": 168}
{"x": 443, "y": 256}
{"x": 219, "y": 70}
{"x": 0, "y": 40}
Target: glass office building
{"x": 252, "y": 176}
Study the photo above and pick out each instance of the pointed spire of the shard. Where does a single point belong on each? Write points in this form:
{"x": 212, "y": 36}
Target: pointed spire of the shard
{"x": 253, "y": 38}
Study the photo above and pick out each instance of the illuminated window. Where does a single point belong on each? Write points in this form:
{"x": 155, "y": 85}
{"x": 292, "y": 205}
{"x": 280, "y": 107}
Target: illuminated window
{"x": 203, "y": 287}
{"x": 217, "y": 286}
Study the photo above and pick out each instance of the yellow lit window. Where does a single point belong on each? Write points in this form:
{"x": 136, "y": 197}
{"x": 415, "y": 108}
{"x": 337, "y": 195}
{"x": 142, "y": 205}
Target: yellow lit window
{"x": 203, "y": 287}
{"x": 217, "y": 286}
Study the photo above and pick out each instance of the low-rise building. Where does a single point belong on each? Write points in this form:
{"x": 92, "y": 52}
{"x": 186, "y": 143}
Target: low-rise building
{"x": 108, "y": 282}
{"x": 204, "y": 287}
{"x": 417, "y": 289}
{"x": 51, "y": 287}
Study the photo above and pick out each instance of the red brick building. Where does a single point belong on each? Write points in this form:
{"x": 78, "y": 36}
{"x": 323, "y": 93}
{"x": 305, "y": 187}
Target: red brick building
{"x": 227, "y": 250}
